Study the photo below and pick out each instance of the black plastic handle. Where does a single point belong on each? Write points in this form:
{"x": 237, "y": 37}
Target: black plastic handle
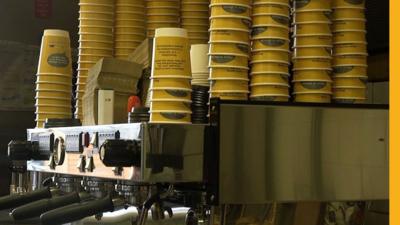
{"x": 76, "y": 211}
{"x": 15, "y": 200}
{"x": 34, "y": 209}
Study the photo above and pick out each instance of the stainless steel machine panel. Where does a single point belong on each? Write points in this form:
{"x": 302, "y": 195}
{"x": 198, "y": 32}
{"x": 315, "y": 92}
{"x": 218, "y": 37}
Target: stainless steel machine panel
{"x": 297, "y": 153}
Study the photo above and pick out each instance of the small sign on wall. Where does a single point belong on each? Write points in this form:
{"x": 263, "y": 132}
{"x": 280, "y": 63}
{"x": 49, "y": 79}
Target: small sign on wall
{"x": 43, "y": 9}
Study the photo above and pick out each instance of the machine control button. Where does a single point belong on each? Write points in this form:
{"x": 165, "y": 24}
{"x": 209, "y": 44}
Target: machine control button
{"x": 89, "y": 164}
{"x": 59, "y": 151}
{"x": 120, "y": 153}
{"x": 81, "y": 163}
{"x": 85, "y": 139}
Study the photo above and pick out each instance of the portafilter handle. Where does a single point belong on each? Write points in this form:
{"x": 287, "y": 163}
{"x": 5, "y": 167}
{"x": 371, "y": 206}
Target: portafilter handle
{"x": 35, "y": 209}
{"x": 76, "y": 211}
{"x": 15, "y": 200}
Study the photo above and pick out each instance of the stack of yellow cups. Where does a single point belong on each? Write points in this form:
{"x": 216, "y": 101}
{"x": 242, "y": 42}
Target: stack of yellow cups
{"x": 54, "y": 77}
{"x": 96, "y": 21}
{"x": 270, "y": 51}
{"x": 349, "y": 52}
{"x": 230, "y": 24}
{"x": 170, "y": 88}
{"x": 312, "y": 51}
{"x": 130, "y": 26}
{"x": 161, "y": 13}
{"x": 194, "y": 18}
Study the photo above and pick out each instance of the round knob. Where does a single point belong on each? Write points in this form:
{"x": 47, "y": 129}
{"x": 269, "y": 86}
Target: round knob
{"x": 59, "y": 151}
{"x": 120, "y": 153}
{"x": 20, "y": 150}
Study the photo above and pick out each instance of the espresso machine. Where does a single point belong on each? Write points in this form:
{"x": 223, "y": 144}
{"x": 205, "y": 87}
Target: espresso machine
{"x": 251, "y": 153}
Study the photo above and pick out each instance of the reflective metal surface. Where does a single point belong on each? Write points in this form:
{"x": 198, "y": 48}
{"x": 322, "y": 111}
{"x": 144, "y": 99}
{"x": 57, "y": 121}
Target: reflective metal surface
{"x": 296, "y": 153}
{"x": 170, "y": 153}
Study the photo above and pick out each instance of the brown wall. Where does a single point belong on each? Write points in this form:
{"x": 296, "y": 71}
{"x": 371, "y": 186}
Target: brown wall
{"x": 18, "y": 22}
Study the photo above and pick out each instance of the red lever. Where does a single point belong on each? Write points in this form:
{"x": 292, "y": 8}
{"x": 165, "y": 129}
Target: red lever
{"x": 133, "y": 102}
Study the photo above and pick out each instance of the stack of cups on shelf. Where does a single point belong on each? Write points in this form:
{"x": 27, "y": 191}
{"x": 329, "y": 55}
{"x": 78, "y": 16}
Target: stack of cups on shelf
{"x": 170, "y": 87}
{"x": 96, "y": 22}
{"x": 200, "y": 84}
{"x": 195, "y": 19}
{"x": 349, "y": 52}
{"x": 270, "y": 51}
{"x": 130, "y": 26}
{"x": 312, "y": 56}
{"x": 54, "y": 77}
{"x": 230, "y": 24}
{"x": 161, "y": 13}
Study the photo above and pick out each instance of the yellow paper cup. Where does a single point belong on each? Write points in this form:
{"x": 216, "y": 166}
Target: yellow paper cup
{"x": 129, "y": 16}
{"x": 96, "y": 7}
{"x": 96, "y": 29}
{"x": 268, "y": 56}
{"x": 230, "y": 10}
{"x": 96, "y": 51}
{"x": 228, "y": 60}
{"x": 317, "y": 87}
{"x": 96, "y": 15}
{"x": 53, "y": 108}
{"x": 200, "y": 21}
{"x": 350, "y": 93}
{"x": 130, "y": 37}
{"x": 353, "y": 60}
{"x": 155, "y": 25}
{"x": 269, "y": 67}
{"x": 269, "y": 98}
{"x": 195, "y": 14}
{"x": 54, "y": 78}
{"x": 170, "y": 117}
{"x": 350, "y": 71}
{"x": 309, "y": 5}
{"x": 95, "y": 22}
{"x": 163, "y": 4}
{"x": 91, "y": 57}
{"x": 42, "y": 116}
{"x": 271, "y": 9}
{"x": 312, "y": 52}
{"x": 269, "y": 90}
{"x": 229, "y": 85}
{"x": 312, "y": 75}
{"x": 276, "y": 79}
{"x": 230, "y": 48}
{"x": 165, "y": 10}
{"x": 230, "y": 23}
{"x": 127, "y": 44}
{"x": 202, "y": 34}
{"x": 271, "y": 20}
{"x": 129, "y": 8}
{"x": 124, "y": 50}
{"x": 350, "y": 82}
{"x": 229, "y": 95}
{"x": 95, "y": 44}
{"x": 54, "y": 86}
{"x": 172, "y": 83}
{"x": 307, "y": 64}
{"x": 240, "y": 2}
{"x": 130, "y": 23}
{"x": 348, "y": 25}
{"x": 312, "y": 41}
{"x": 163, "y": 18}
{"x": 232, "y": 72}
{"x": 53, "y": 101}
{"x": 96, "y": 37}
{"x": 171, "y": 94}
{"x": 348, "y": 4}
{"x": 306, "y": 29}
{"x": 350, "y": 49}
{"x": 275, "y": 2}
{"x": 103, "y": 2}
{"x": 312, "y": 98}
{"x": 263, "y": 32}
{"x": 312, "y": 16}
{"x": 224, "y": 36}
{"x": 130, "y": 30}
{"x": 170, "y": 106}
{"x": 55, "y": 52}
{"x": 85, "y": 65}
{"x": 195, "y": 28}
{"x": 349, "y": 37}
{"x": 348, "y": 13}
{"x": 270, "y": 44}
